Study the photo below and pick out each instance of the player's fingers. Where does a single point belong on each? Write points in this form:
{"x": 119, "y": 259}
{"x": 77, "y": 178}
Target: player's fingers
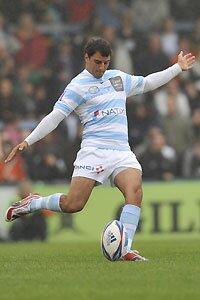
{"x": 181, "y": 53}
{"x": 188, "y": 55}
{"x": 16, "y": 150}
{"x": 13, "y": 152}
{"x": 10, "y": 156}
{"x": 21, "y": 147}
{"x": 191, "y": 60}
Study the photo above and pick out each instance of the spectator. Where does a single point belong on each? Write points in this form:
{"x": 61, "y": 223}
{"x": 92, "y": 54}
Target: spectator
{"x": 41, "y": 99}
{"x": 191, "y": 161}
{"x": 185, "y": 10}
{"x": 142, "y": 120}
{"x": 196, "y": 122}
{"x": 9, "y": 41}
{"x": 51, "y": 168}
{"x": 9, "y": 103}
{"x": 45, "y": 161}
{"x": 7, "y": 64}
{"x": 127, "y": 34}
{"x": 178, "y": 131}
{"x": 148, "y": 14}
{"x": 79, "y": 11}
{"x": 47, "y": 11}
{"x": 110, "y": 12}
{"x": 192, "y": 94}
{"x": 153, "y": 59}
{"x": 158, "y": 158}
{"x": 95, "y": 26}
{"x": 34, "y": 49}
{"x": 169, "y": 38}
{"x": 28, "y": 108}
{"x": 23, "y": 76}
{"x": 121, "y": 58}
{"x": 196, "y": 34}
{"x": 63, "y": 65}
{"x": 173, "y": 91}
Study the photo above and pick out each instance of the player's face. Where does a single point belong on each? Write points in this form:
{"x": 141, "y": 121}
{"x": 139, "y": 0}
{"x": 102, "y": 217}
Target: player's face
{"x": 97, "y": 64}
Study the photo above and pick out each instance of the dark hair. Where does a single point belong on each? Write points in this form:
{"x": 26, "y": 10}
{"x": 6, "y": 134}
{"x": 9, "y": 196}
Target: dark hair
{"x": 97, "y": 44}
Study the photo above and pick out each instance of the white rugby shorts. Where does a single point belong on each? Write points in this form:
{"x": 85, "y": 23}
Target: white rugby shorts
{"x": 103, "y": 165}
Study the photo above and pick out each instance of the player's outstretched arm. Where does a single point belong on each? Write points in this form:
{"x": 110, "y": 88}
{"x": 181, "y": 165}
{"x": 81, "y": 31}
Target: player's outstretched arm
{"x": 156, "y": 80}
{"x": 47, "y": 125}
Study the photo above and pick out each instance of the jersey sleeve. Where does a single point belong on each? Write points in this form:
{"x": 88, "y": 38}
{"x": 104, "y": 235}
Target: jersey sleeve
{"x": 134, "y": 85}
{"x": 69, "y": 100}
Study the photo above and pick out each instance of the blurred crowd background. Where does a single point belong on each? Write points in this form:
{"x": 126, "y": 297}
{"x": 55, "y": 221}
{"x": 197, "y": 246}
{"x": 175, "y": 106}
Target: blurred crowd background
{"x": 41, "y": 50}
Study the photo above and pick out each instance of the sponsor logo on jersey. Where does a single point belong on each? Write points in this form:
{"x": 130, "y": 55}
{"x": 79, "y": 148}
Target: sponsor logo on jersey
{"x": 94, "y": 90}
{"x": 110, "y": 112}
{"x": 117, "y": 83}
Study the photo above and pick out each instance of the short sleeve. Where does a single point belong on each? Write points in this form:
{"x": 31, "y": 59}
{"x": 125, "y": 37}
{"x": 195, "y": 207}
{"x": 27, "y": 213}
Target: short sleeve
{"x": 68, "y": 101}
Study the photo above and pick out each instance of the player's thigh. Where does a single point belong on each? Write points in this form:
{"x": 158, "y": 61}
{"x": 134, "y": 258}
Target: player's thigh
{"x": 80, "y": 189}
{"x": 129, "y": 182}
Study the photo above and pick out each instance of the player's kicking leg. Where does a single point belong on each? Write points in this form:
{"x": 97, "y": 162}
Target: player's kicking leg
{"x": 76, "y": 199}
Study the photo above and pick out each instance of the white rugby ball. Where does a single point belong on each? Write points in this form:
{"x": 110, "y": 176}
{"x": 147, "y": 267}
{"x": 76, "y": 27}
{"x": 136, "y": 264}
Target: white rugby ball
{"x": 114, "y": 240}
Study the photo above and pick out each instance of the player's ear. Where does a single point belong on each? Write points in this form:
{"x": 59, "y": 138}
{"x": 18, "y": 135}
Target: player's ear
{"x": 86, "y": 57}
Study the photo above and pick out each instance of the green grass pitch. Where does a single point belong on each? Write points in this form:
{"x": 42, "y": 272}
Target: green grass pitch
{"x": 77, "y": 270}
{"x": 70, "y": 264}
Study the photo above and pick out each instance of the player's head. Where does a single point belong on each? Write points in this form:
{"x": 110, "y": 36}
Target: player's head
{"x": 97, "y": 53}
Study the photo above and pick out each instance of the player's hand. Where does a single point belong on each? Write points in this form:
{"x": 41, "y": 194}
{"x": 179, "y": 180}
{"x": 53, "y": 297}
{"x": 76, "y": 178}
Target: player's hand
{"x": 16, "y": 151}
{"x": 186, "y": 61}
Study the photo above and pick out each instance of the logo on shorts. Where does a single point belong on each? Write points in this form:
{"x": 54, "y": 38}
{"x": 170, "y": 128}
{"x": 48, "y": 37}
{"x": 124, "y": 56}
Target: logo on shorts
{"x": 84, "y": 167}
{"x": 99, "y": 169}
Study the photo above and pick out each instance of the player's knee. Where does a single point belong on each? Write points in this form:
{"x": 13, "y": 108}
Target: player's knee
{"x": 138, "y": 191}
{"x": 134, "y": 194}
{"x": 71, "y": 205}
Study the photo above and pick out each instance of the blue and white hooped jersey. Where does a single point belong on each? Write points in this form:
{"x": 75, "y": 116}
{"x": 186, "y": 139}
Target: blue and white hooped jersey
{"x": 101, "y": 106}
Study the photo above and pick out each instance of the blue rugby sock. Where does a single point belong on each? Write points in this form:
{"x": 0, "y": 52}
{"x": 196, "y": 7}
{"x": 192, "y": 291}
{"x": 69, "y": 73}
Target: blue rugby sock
{"x": 130, "y": 217}
{"x": 51, "y": 202}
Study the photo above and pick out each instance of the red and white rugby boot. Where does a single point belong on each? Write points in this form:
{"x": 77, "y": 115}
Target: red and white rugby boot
{"x": 133, "y": 255}
{"x": 20, "y": 208}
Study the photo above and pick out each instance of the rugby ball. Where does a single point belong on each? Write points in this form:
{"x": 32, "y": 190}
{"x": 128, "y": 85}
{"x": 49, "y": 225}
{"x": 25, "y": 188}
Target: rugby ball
{"x": 114, "y": 240}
